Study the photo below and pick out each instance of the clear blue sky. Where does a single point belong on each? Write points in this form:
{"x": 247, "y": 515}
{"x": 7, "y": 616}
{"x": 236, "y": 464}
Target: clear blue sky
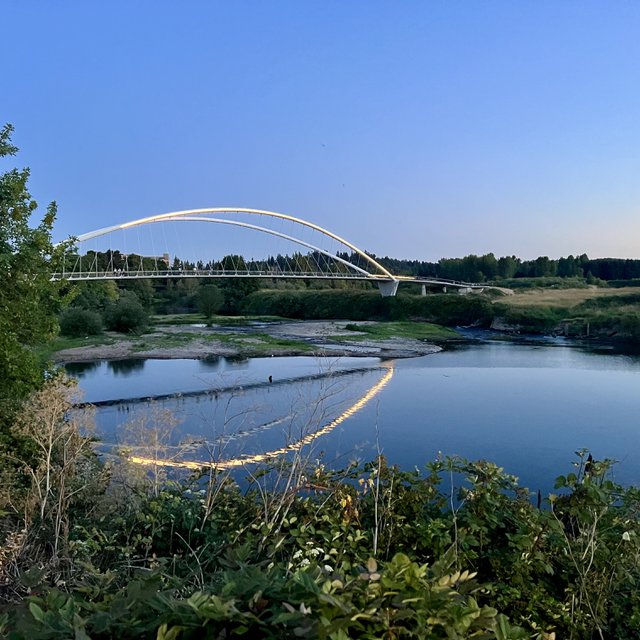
{"x": 415, "y": 129}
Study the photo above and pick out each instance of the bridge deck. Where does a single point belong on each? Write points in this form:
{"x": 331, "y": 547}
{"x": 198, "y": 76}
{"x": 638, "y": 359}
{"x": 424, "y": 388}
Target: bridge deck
{"x": 83, "y": 276}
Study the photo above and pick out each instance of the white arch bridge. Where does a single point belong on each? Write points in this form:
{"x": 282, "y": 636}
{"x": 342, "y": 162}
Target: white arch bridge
{"x": 297, "y": 249}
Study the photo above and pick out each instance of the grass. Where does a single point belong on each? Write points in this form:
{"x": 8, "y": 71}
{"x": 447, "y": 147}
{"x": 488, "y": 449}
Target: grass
{"x": 387, "y": 330}
{"x": 59, "y": 343}
{"x": 593, "y": 312}
{"x": 562, "y": 298}
{"x": 199, "y": 318}
{"x": 160, "y": 341}
{"x": 233, "y": 321}
{"x": 258, "y": 342}
{"x": 178, "y": 319}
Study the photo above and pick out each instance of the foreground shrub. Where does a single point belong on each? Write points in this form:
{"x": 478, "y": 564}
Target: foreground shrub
{"x": 44, "y": 486}
{"x": 399, "y": 599}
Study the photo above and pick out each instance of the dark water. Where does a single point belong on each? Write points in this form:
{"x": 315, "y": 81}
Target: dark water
{"x": 526, "y": 407}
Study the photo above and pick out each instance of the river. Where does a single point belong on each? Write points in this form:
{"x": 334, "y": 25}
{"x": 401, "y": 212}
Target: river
{"x": 527, "y": 407}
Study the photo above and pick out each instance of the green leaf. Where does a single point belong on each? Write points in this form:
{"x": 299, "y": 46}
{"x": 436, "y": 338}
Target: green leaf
{"x": 166, "y": 633}
{"x": 561, "y": 481}
{"x": 36, "y": 611}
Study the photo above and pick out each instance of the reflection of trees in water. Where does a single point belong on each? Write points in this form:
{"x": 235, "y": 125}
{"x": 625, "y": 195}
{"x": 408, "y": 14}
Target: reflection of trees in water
{"x": 80, "y": 369}
{"x": 124, "y": 367}
{"x": 241, "y": 361}
{"x": 211, "y": 362}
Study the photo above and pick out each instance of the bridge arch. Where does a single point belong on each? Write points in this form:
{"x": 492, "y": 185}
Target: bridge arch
{"x": 368, "y": 267}
{"x": 199, "y": 214}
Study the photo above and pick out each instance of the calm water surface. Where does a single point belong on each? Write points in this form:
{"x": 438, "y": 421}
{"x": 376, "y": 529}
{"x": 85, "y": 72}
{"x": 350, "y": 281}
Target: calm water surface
{"x": 525, "y": 407}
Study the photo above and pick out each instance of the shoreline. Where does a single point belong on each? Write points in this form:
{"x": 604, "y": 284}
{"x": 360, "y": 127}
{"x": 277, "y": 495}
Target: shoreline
{"x": 295, "y": 338}
{"x": 288, "y": 338}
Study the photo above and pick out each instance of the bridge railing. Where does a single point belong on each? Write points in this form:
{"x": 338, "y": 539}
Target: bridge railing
{"x": 207, "y": 273}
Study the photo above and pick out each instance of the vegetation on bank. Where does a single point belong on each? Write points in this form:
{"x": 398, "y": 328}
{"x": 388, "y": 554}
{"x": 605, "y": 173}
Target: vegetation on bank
{"x": 251, "y": 344}
{"x": 412, "y": 330}
{"x": 612, "y": 314}
{"x": 219, "y": 320}
{"x": 444, "y": 309}
{"x": 47, "y": 351}
{"x": 95, "y": 549}
{"x": 542, "y": 304}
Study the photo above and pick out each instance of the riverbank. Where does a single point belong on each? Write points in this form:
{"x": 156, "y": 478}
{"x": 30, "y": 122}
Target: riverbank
{"x": 260, "y": 339}
{"x": 595, "y": 313}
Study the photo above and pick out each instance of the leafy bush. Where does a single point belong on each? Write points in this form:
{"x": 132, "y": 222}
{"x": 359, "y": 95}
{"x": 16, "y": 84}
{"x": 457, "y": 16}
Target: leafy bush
{"x": 630, "y": 326}
{"x": 531, "y": 320}
{"x": 546, "y": 282}
{"x": 448, "y": 309}
{"x": 370, "y": 552}
{"x": 634, "y": 282}
{"x": 95, "y": 295}
{"x": 399, "y": 598}
{"x": 127, "y": 315}
{"x": 76, "y": 322}
{"x": 606, "y": 302}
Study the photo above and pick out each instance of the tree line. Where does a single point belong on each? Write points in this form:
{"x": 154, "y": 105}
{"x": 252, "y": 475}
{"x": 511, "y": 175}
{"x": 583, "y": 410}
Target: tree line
{"x": 486, "y": 268}
{"x": 470, "y": 268}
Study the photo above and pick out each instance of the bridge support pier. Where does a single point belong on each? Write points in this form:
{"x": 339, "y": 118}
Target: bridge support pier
{"x": 424, "y": 290}
{"x": 388, "y": 288}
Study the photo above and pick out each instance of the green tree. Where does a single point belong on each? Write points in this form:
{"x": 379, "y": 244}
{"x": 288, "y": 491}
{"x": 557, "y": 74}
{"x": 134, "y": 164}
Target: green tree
{"x": 568, "y": 267}
{"x": 95, "y": 295}
{"x": 235, "y": 290}
{"x": 210, "y": 299}
{"x": 144, "y": 289}
{"x": 29, "y": 301}
{"x": 544, "y": 267}
{"x": 127, "y": 315}
{"x": 234, "y": 262}
{"x": 77, "y": 322}
{"x": 507, "y": 266}
{"x": 488, "y": 266}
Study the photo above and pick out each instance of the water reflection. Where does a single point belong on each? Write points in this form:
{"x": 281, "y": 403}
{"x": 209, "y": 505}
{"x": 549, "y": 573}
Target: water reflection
{"x": 138, "y": 378}
{"x": 211, "y": 362}
{"x": 126, "y": 367}
{"x": 81, "y": 369}
{"x": 274, "y": 453}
